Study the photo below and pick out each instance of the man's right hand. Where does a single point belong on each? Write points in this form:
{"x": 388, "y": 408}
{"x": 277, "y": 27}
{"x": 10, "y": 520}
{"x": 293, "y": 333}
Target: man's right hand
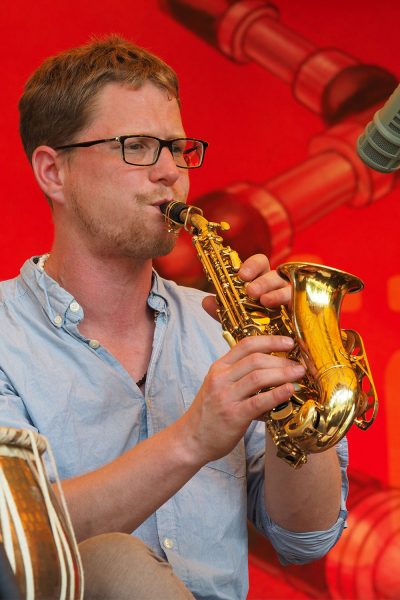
{"x": 229, "y": 398}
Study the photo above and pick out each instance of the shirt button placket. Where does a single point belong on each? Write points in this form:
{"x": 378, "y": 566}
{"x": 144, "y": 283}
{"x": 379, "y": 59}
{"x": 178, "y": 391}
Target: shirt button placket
{"x": 168, "y": 543}
{"x": 58, "y": 320}
{"x": 74, "y": 307}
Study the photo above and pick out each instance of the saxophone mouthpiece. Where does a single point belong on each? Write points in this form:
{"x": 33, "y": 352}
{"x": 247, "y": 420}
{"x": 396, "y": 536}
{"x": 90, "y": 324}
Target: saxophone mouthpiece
{"x": 177, "y": 214}
{"x": 173, "y": 212}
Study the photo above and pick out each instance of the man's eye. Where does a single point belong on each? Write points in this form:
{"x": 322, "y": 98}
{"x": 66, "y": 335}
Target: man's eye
{"x": 134, "y": 146}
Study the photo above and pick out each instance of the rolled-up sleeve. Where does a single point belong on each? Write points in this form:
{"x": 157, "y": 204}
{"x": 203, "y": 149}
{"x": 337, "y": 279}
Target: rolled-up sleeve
{"x": 294, "y": 547}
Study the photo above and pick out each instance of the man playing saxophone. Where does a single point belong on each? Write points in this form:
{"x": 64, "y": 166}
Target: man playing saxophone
{"x": 150, "y": 416}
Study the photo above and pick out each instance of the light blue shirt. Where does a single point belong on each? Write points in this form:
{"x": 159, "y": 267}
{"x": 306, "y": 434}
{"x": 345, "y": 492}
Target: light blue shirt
{"x": 73, "y": 391}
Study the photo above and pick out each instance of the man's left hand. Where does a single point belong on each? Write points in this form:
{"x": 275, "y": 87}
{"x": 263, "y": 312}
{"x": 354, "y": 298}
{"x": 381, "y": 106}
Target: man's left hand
{"x": 262, "y": 283}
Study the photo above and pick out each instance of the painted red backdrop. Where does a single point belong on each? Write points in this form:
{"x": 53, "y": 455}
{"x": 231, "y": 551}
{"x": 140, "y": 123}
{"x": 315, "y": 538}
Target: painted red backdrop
{"x": 257, "y": 130}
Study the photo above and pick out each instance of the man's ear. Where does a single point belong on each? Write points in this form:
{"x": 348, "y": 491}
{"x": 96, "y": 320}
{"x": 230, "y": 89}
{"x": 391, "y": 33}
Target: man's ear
{"x": 48, "y": 168}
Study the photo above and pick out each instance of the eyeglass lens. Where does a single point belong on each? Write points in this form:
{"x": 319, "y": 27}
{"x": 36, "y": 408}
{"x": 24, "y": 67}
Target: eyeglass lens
{"x": 142, "y": 150}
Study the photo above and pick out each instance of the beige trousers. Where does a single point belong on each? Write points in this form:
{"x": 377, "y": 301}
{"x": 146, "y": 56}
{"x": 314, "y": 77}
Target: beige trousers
{"x": 118, "y": 566}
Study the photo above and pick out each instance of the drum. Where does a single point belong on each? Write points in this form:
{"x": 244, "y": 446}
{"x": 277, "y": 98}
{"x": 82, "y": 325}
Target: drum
{"x": 35, "y": 528}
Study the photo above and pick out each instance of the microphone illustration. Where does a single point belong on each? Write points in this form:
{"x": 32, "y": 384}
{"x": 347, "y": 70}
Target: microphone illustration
{"x": 379, "y": 145}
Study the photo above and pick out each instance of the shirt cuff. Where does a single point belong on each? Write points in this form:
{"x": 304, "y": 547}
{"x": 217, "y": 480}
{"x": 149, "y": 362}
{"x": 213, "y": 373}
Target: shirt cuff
{"x": 303, "y": 547}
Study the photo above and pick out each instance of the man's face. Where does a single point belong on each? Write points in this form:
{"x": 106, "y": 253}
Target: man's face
{"x": 113, "y": 207}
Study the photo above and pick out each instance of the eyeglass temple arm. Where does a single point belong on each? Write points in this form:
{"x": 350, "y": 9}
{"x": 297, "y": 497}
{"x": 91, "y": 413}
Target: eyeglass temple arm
{"x": 92, "y": 143}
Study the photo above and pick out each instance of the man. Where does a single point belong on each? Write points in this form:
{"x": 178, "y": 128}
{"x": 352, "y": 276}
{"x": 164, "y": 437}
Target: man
{"x": 176, "y": 457}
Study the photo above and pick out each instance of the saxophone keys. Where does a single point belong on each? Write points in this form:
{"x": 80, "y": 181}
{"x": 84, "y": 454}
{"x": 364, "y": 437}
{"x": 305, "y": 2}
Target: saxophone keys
{"x": 305, "y": 422}
{"x": 228, "y": 337}
{"x": 282, "y": 411}
{"x": 235, "y": 260}
{"x": 260, "y": 318}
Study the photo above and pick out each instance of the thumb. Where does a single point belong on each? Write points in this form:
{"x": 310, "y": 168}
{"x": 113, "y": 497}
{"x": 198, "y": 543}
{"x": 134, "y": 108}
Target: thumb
{"x": 210, "y": 306}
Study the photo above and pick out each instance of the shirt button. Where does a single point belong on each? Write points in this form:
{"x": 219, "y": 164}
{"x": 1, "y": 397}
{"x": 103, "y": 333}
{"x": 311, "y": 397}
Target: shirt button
{"x": 94, "y": 344}
{"x": 74, "y": 306}
{"x": 168, "y": 543}
{"x": 58, "y": 320}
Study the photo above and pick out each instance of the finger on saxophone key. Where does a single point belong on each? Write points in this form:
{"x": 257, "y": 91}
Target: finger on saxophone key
{"x": 298, "y": 370}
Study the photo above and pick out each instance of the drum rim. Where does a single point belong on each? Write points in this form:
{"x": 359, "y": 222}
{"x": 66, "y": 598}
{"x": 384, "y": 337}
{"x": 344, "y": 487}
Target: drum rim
{"x": 21, "y": 438}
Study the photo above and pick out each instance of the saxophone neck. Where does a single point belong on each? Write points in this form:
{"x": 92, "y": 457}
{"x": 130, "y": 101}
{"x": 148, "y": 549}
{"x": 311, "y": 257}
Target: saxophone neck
{"x": 179, "y": 214}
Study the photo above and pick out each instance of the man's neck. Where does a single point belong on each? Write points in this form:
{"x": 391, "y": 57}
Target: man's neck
{"x": 112, "y": 291}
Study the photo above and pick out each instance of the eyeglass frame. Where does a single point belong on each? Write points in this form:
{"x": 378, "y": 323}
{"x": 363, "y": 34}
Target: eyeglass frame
{"x": 121, "y": 139}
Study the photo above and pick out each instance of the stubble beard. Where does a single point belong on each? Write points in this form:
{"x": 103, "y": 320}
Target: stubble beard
{"x": 131, "y": 237}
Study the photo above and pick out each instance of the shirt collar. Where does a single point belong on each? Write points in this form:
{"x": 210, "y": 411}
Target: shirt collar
{"x": 158, "y": 297}
{"x": 61, "y": 307}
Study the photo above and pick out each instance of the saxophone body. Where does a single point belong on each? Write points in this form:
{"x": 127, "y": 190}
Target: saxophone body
{"x": 337, "y": 389}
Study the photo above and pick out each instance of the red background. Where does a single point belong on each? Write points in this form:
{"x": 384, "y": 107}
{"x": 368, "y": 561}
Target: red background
{"x": 256, "y": 130}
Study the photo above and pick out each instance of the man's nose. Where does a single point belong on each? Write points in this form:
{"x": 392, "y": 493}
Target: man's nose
{"x": 165, "y": 168}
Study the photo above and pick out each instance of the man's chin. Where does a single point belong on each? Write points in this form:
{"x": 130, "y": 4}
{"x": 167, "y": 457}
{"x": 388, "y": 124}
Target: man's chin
{"x": 165, "y": 246}
{"x": 159, "y": 247}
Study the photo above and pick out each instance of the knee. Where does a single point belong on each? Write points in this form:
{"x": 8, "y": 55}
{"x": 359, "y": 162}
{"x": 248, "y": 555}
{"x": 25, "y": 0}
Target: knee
{"x": 108, "y": 548}
{"x": 118, "y": 565}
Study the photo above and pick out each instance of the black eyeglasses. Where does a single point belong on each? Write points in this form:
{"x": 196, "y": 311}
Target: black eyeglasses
{"x": 144, "y": 150}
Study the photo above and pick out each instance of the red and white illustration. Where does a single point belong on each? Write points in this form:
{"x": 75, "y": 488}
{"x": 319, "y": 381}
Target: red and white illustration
{"x": 282, "y": 91}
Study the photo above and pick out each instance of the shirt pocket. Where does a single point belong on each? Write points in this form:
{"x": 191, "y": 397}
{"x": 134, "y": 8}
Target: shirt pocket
{"x": 234, "y": 463}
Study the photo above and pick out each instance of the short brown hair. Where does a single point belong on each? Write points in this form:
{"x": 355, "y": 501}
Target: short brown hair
{"x": 58, "y": 97}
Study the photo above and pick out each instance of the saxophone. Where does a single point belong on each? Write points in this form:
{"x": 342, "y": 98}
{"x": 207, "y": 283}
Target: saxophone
{"x": 337, "y": 389}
